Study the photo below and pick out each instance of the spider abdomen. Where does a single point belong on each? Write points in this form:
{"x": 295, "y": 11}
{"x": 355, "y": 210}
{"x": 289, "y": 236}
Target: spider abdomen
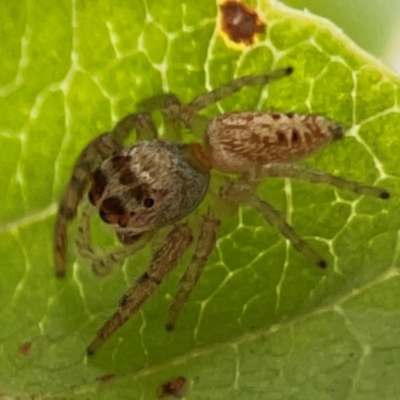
{"x": 242, "y": 140}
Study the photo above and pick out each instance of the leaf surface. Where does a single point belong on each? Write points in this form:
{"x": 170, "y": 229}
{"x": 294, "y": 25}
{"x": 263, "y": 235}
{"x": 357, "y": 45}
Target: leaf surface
{"x": 262, "y": 323}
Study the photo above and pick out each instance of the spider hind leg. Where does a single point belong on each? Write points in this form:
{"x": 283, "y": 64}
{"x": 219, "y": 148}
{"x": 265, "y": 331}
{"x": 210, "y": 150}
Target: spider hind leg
{"x": 243, "y": 194}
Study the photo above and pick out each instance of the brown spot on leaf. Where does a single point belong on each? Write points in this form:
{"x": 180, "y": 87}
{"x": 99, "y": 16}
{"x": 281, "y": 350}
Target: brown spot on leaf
{"x": 172, "y": 388}
{"x": 240, "y": 22}
{"x": 25, "y": 349}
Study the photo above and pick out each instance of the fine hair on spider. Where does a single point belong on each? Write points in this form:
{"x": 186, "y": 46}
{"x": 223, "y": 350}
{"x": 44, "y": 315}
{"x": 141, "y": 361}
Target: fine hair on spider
{"x": 155, "y": 183}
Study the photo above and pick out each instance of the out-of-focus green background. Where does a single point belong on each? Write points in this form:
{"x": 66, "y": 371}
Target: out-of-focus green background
{"x": 372, "y": 24}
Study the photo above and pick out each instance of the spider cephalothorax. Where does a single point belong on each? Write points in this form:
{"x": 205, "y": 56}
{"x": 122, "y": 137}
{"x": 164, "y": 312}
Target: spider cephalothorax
{"x": 155, "y": 184}
{"x": 133, "y": 193}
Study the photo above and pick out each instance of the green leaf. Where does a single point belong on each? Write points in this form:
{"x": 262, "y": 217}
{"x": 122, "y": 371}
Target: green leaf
{"x": 262, "y": 322}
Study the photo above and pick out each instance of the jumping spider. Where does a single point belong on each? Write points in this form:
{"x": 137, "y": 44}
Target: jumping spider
{"x": 154, "y": 184}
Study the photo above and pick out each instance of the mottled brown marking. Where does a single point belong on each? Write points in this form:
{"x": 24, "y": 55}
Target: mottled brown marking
{"x": 104, "y": 217}
{"x": 276, "y": 116}
{"x": 254, "y": 138}
{"x": 290, "y": 115}
{"x": 240, "y": 22}
{"x": 139, "y": 192}
{"x": 239, "y": 140}
{"x": 309, "y": 123}
{"x": 112, "y": 211}
{"x": 172, "y": 388}
{"x": 113, "y": 205}
{"x": 25, "y": 349}
{"x": 99, "y": 183}
{"x": 119, "y": 162}
{"x": 281, "y": 137}
{"x": 123, "y": 220}
{"x": 127, "y": 177}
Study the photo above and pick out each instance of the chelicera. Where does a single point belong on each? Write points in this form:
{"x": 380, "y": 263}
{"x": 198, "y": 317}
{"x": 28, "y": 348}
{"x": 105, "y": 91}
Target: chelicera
{"x": 156, "y": 184}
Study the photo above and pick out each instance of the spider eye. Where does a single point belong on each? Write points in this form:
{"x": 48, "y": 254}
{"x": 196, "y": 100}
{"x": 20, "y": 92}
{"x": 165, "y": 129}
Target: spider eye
{"x": 148, "y": 203}
{"x": 103, "y": 216}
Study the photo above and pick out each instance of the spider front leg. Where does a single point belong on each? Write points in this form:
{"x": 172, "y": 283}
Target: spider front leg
{"x": 199, "y": 124}
{"x": 205, "y": 245}
{"x": 170, "y": 107}
{"x": 96, "y": 151}
{"x": 243, "y": 194}
{"x": 141, "y": 122}
{"x": 163, "y": 262}
{"x": 103, "y": 264}
{"x": 213, "y": 96}
{"x": 101, "y": 147}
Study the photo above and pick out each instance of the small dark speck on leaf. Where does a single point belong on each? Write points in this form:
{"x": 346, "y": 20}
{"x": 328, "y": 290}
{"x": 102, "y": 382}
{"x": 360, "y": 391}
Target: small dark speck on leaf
{"x": 240, "y": 22}
{"x": 25, "y": 349}
{"x": 172, "y": 388}
{"x": 105, "y": 378}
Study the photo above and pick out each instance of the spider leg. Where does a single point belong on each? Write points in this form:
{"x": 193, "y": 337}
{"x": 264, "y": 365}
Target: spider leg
{"x": 103, "y": 264}
{"x": 205, "y": 245}
{"x": 142, "y": 122}
{"x": 97, "y": 150}
{"x": 159, "y": 102}
{"x": 304, "y": 173}
{"x": 170, "y": 107}
{"x": 102, "y": 146}
{"x": 243, "y": 194}
{"x": 163, "y": 262}
{"x": 213, "y": 96}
